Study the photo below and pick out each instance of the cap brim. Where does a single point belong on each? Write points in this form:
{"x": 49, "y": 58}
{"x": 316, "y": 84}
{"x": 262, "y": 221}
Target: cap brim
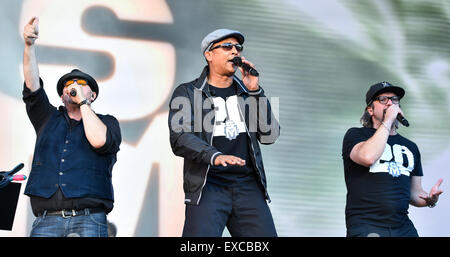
{"x": 400, "y": 92}
{"x": 238, "y": 36}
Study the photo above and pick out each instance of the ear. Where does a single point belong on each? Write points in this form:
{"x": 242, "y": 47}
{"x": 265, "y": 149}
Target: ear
{"x": 369, "y": 109}
{"x": 208, "y": 56}
{"x": 93, "y": 96}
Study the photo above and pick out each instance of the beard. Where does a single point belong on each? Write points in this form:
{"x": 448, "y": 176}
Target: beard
{"x": 68, "y": 100}
{"x": 229, "y": 71}
{"x": 394, "y": 124}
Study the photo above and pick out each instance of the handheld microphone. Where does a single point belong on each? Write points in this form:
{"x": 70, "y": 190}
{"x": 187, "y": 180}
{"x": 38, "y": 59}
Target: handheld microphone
{"x": 238, "y": 62}
{"x": 402, "y": 120}
{"x": 73, "y": 92}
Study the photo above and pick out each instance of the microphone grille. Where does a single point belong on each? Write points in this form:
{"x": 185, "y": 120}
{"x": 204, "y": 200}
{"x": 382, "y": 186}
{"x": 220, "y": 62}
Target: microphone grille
{"x": 237, "y": 61}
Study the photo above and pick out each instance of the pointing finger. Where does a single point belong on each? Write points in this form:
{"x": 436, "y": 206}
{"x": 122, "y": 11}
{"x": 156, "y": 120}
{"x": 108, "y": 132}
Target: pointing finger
{"x": 36, "y": 25}
{"x": 31, "y": 21}
{"x": 438, "y": 184}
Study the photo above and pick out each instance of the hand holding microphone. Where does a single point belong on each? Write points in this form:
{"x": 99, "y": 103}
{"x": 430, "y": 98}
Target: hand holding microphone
{"x": 79, "y": 97}
{"x": 390, "y": 111}
{"x": 402, "y": 120}
{"x": 74, "y": 88}
{"x": 238, "y": 62}
{"x": 250, "y": 76}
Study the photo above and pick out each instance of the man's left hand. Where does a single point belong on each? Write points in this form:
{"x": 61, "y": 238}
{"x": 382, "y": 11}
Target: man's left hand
{"x": 251, "y": 82}
{"x": 79, "y": 97}
{"x": 433, "y": 196}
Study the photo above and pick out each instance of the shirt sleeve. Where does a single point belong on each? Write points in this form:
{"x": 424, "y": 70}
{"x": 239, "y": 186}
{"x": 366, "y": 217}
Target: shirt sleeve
{"x": 417, "y": 163}
{"x": 352, "y": 138}
{"x": 38, "y": 107}
{"x": 113, "y": 136}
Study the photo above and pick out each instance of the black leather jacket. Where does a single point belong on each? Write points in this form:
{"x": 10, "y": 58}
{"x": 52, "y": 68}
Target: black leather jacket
{"x": 191, "y": 138}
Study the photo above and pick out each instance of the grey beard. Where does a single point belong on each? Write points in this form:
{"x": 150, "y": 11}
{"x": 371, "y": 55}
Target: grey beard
{"x": 68, "y": 100}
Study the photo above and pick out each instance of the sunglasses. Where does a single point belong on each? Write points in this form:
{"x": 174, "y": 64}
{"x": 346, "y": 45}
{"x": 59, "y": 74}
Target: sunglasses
{"x": 385, "y": 99}
{"x": 79, "y": 82}
{"x": 229, "y": 46}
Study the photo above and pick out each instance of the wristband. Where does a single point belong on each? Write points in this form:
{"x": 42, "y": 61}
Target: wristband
{"x": 85, "y": 101}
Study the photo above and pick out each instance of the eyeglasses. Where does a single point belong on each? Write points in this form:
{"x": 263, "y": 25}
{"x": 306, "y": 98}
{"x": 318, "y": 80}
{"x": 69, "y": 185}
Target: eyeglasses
{"x": 229, "y": 46}
{"x": 79, "y": 82}
{"x": 384, "y": 99}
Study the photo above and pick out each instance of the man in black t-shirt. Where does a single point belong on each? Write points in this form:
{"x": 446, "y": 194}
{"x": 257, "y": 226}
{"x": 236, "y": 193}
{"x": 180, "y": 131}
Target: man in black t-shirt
{"x": 216, "y": 123}
{"x": 235, "y": 142}
{"x": 383, "y": 170}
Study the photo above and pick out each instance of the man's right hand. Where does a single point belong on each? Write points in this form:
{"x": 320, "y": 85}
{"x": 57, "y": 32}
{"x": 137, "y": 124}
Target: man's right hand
{"x": 224, "y": 160}
{"x": 390, "y": 113}
{"x": 31, "y": 31}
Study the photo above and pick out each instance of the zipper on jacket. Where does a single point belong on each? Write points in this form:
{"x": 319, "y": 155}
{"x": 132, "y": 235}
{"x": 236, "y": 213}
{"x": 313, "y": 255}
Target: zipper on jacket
{"x": 209, "y": 165}
{"x": 253, "y": 150}
{"x": 254, "y": 156}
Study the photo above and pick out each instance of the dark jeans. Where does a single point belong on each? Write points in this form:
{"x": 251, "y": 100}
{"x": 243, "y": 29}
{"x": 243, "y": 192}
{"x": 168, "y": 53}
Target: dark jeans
{"x": 90, "y": 225}
{"x": 241, "y": 208}
{"x": 367, "y": 230}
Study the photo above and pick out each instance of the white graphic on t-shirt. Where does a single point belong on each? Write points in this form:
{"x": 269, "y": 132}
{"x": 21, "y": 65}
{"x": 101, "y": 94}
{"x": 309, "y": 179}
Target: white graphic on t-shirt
{"x": 392, "y": 161}
{"x": 231, "y": 130}
{"x": 233, "y": 125}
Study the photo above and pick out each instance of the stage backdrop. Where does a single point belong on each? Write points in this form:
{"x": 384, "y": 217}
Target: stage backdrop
{"x": 319, "y": 57}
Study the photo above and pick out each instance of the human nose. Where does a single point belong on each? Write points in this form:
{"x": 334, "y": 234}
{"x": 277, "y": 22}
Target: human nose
{"x": 235, "y": 52}
{"x": 389, "y": 102}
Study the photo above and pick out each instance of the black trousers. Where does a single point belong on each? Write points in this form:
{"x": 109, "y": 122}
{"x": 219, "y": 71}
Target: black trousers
{"x": 367, "y": 230}
{"x": 241, "y": 208}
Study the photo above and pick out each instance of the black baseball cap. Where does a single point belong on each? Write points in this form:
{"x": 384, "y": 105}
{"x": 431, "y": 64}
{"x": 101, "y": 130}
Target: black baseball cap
{"x": 383, "y": 87}
{"x": 77, "y": 74}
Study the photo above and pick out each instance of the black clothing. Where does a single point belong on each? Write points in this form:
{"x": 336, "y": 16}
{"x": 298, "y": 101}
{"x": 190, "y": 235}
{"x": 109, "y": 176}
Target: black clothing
{"x": 76, "y": 191}
{"x": 379, "y": 195}
{"x": 366, "y": 230}
{"x": 240, "y": 207}
{"x": 189, "y": 138}
{"x": 237, "y": 144}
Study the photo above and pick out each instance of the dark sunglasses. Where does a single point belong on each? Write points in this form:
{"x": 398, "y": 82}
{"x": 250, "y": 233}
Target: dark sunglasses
{"x": 384, "y": 99}
{"x": 229, "y": 46}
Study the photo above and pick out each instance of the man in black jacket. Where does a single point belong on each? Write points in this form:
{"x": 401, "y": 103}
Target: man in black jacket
{"x": 215, "y": 124}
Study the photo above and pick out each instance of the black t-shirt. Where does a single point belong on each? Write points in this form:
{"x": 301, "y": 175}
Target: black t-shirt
{"x": 229, "y": 137}
{"x": 380, "y": 194}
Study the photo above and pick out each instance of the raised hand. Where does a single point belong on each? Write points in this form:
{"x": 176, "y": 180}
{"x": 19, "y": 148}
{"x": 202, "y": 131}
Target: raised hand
{"x": 251, "y": 82}
{"x": 31, "y": 31}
